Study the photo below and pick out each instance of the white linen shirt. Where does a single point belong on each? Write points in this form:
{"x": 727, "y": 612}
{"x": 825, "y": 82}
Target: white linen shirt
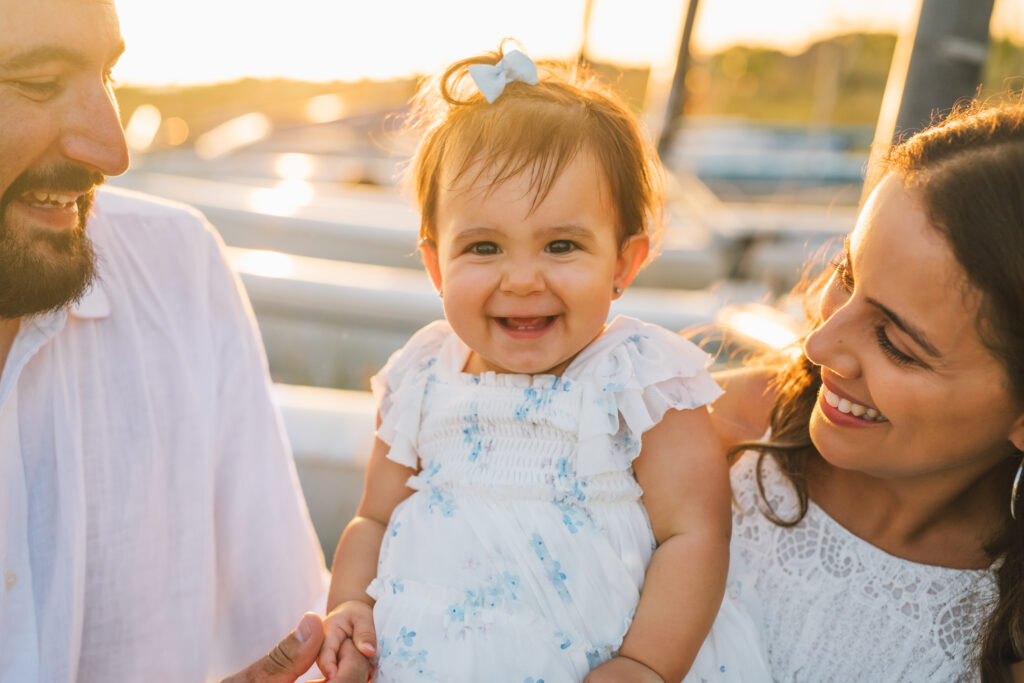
{"x": 152, "y": 523}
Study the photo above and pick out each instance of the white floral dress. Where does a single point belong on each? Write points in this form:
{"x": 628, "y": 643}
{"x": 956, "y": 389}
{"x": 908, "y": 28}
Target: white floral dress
{"x": 521, "y": 553}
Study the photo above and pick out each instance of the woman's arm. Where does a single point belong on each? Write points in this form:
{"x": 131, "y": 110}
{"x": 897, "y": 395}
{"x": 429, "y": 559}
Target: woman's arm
{"x": 685, "y": 480}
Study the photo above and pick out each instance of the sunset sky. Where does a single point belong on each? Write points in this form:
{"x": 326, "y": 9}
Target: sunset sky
{"x": 199, "y": 41}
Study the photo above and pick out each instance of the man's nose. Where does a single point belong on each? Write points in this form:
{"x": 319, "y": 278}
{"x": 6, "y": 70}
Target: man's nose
{"x": 92, "y": 134}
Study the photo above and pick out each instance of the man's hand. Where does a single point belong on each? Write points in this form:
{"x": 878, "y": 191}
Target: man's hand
{"x": 294, "y": 655}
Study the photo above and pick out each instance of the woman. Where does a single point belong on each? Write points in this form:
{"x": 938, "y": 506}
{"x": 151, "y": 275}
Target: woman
{"x": 873, "y": 538}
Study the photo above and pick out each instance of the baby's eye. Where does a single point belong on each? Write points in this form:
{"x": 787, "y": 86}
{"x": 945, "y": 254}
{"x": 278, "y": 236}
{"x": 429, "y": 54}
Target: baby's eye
{"x": 484, "y": 249}
{"x": 561, "y": 247}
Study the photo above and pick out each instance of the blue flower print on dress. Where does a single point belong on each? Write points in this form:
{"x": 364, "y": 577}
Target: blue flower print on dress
{"x": 573, "y": 518}
{"x": 441, "y": 501}
{"x": 406, "y": 636}
{"x": 552, "y": 567}
{"x": 473, "y": 434}
{"x": 531, "y": 679}
{"x": 537, "y": 400}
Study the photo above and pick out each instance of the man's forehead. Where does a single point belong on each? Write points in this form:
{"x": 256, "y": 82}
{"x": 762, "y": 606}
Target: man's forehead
{"x": 89, "y": 27}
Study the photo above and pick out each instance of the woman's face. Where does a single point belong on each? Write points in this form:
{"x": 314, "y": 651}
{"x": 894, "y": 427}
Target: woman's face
{"x": 908, "y": 388}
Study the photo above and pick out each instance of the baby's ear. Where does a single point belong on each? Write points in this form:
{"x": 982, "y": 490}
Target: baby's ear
{"x": 428, "y": 254}
{"x": 631, "y": 258}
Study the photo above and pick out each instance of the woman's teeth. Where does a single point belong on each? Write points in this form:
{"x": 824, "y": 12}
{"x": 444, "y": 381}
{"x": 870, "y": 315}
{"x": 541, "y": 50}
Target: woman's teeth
{"x": 855, "y": 409}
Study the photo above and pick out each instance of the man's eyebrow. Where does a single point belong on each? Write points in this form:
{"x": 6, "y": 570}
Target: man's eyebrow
{"x": 910, "y": 330}
{"x": 46, "y": 54}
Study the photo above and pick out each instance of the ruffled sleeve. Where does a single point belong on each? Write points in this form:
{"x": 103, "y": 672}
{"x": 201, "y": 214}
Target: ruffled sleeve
{"x": 399, "y": 388}
{"x": 634, "y": 373}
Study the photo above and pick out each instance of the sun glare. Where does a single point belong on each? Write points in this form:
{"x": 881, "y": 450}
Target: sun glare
{"x": 203, "y": 41}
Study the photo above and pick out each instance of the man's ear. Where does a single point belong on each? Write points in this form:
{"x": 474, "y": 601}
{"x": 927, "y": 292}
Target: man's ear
{"x": 631, "y": 258}
{"x": 428, "y": 254}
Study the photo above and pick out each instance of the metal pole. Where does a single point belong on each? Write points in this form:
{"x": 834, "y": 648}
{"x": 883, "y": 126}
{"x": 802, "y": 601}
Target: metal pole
{"x": 936, "y": 63}
{"x": 588, "y": 10}
{"x": 677, "y": 94}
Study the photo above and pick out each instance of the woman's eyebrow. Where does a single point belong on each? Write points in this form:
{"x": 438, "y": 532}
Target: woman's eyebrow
{"x": 910, "y": 330}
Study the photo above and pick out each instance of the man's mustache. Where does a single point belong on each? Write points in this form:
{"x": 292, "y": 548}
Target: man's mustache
{"x": 64, "y": 179}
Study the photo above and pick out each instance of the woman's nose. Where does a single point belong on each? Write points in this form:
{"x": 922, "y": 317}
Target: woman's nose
{"x": 831, "y": 345}
{"x": 92, "y": 134}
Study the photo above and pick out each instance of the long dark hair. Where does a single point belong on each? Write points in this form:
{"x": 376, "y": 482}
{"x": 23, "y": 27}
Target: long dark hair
{"x": 969, "y": 172}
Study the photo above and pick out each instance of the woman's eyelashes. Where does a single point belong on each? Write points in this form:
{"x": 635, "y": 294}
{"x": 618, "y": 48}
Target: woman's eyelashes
{"x": 890, "y": 349}
{"x": 845, "y": 280}
{"x": 843, "y": 275}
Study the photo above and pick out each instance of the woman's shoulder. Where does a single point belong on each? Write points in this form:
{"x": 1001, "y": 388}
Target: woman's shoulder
{"x": 742, "y": 412}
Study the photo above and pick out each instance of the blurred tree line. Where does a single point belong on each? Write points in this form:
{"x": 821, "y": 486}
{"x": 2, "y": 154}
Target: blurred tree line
{"x": 834, "y": 82}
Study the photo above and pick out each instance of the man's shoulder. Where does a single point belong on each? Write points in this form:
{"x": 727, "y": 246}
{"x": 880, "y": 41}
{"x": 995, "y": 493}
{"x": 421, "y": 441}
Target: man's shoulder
{"x": 118, "y": 201}
{"x": 150, "y": 223}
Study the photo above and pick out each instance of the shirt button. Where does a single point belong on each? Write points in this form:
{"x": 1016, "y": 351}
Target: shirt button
{"x": 10, "y": 580}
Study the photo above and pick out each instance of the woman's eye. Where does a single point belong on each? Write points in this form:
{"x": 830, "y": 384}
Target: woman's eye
{"x": 842, "y": 273}
{"x": 891, "y": 350}
{"x": 484, "y": 249}
{"x": 561, "y": 247}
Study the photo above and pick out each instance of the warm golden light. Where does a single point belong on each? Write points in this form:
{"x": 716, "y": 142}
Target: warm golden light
{"x": 175, "y": 131}
{"x": 284, "y": 199}
{"x": 325, "y": 108}
{"x": 231, "y": 135}
{"x": 763, "y": 323}
{"x": 142, "y": 128}
{"x": 294, "y": 166}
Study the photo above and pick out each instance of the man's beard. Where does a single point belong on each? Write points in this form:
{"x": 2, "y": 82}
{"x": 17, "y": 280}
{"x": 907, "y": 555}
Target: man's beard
{"x": 43, "y": 270}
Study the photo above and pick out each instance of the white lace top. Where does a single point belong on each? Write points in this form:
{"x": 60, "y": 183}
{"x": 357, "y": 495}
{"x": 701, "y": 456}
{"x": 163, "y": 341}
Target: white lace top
{"x": 833, "y": 607}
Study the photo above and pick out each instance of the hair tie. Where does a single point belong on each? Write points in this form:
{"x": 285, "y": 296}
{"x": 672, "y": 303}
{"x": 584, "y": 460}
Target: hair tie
{"x": 492, "y": 79}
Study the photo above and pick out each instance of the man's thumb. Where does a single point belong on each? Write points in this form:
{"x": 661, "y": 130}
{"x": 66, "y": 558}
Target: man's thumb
{"x": 291, "y": 658}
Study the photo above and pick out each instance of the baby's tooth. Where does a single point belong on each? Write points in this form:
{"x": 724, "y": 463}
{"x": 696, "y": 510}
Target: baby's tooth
{"x": 871, "y": 413}
{"x": 844, "y": 405}
{"x": 831, "y": 398}
{"x": 857, "y": 409}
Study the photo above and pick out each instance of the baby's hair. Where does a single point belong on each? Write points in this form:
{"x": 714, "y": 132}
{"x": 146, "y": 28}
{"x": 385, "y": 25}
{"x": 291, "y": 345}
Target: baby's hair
{"x": 535, "y": 129}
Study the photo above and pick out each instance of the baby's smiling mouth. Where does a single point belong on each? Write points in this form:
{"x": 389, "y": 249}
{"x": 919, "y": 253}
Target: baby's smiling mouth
{"x": 523, "y": 324}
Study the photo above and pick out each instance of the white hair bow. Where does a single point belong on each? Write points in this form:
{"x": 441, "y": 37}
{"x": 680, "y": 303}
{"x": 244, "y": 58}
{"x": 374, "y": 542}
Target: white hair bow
{"x": 514, "y": 66}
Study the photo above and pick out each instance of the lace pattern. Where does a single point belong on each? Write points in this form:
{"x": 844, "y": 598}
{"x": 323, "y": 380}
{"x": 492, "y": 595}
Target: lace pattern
{"x": 837, "y": 608}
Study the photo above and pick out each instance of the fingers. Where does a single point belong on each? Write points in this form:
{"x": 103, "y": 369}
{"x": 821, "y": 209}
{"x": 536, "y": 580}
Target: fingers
{"x": 364, "y": 635}
{"x": 291, "y": 658}
{"x": 353, "y": 667}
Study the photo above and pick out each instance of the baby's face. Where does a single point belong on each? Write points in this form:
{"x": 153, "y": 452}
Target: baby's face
{"x": 528, "y": 287}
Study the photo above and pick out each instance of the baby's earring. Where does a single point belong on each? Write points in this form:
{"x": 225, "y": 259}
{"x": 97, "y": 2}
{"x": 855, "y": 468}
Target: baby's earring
{"x": 617, "y": 290}
{"x": 440, "y": 293}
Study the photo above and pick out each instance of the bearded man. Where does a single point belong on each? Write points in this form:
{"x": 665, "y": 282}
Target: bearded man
{"x": 152, "y": 525}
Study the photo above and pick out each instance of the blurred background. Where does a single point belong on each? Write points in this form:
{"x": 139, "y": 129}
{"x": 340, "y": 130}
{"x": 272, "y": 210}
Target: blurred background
{"x": 281, "y": 122}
